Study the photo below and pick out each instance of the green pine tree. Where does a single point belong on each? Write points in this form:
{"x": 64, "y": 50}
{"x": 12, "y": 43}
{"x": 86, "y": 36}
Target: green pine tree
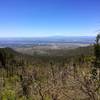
{"x": 97, "y": 57}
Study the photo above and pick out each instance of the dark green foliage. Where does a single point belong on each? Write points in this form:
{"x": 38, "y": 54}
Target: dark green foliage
{"x": 2, "y": 59}
{"x": 97, "y": 50}
{"x": 6, "y": 56}
{"x": 97, "y": 58}
{"x": 97, "y": 55}
{"x": 98, "y": 39}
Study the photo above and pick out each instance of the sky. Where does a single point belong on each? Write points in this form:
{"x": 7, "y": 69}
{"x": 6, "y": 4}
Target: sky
{"x": 40, "y": 18}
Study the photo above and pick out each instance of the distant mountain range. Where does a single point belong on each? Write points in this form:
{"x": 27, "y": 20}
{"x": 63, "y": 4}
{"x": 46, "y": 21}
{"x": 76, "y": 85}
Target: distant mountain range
{"x": 18, "y": 42}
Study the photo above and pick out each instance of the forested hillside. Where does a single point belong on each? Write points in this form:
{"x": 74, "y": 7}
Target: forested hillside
{"x": 63, "y": 75}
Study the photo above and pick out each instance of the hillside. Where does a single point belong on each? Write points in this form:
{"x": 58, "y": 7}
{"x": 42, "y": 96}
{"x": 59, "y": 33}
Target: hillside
{"x": 59, "y": 75}
{"x": 9, "y": 54}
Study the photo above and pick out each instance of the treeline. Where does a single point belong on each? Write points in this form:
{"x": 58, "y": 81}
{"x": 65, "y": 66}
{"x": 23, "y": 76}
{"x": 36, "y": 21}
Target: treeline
{"x": 74, "y": 75}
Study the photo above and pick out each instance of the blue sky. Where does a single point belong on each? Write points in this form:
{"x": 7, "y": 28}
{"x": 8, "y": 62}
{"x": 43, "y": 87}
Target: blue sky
{"x": 39, "y": 18}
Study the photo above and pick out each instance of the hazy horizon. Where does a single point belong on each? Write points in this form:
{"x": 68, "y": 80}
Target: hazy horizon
{"x": 60, "y": 36}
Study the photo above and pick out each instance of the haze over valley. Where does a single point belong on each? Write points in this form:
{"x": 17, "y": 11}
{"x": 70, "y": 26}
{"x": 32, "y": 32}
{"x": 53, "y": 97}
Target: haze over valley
{"x": 44, "y": 44}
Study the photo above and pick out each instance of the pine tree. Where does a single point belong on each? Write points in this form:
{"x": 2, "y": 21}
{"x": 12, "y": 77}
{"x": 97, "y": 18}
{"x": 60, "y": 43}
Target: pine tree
{"x": 97, "y": 58}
